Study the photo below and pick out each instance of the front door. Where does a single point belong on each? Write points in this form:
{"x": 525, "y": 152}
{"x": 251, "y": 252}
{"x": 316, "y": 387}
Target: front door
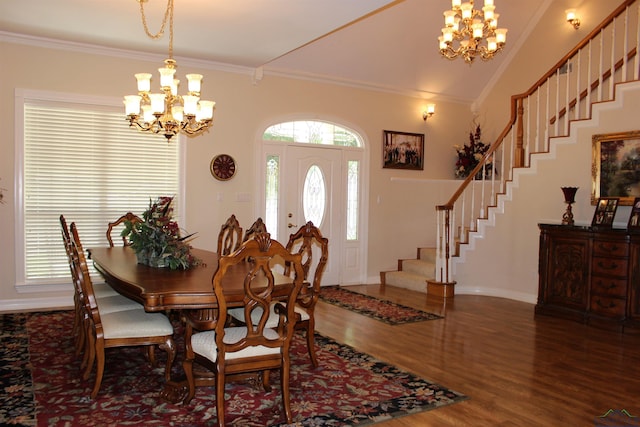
{"x": 313, "y": 191}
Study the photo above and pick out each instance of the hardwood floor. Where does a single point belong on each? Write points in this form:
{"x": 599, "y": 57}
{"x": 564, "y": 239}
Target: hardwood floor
{"x": 517, "y": 369}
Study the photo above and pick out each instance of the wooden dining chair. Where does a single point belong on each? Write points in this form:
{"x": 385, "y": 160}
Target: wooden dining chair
{"x": 257, "y": 227}
{"x": 307, "y": 241}
{"x": 126, "y": 217}
{"x": 252, "y": 347}
{"x": 78, "y": 304}
{"x": 128, "y": 328}
{"x": 314, "y": 250}
{"x": 230, "y": 236}
{"x": 110, "y": 300}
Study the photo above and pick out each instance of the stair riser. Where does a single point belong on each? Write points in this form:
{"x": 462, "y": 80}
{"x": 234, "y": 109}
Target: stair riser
{"x": 426, "y": 269}
{"x": 406, "y": 280}
{"x": 427, "y": 254}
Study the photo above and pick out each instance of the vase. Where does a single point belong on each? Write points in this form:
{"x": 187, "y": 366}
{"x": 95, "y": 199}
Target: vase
{"x": 158, "y": 262}
{"x": 143, "y": 257}
{"x": 569, "y": 199}
{"x": 152, "y": 260}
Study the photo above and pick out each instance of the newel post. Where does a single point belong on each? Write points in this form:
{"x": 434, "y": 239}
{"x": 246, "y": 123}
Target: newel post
{"x": 442, "y": 286}
{"x": 519, "y": 152}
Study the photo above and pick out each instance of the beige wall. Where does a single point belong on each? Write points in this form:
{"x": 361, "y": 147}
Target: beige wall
{"x": 400, "y": 212}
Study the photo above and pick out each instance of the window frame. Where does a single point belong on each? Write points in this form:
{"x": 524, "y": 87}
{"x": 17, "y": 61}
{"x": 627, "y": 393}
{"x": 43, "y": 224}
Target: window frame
{"x": 111, "y": 104}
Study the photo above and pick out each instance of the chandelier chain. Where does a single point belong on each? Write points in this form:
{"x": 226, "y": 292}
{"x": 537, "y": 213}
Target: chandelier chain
{"x": 168, "y": 17}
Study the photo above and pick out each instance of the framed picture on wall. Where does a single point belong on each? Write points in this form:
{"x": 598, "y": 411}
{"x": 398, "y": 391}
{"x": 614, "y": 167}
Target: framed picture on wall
{"x": 634, "y": 216}
{"x": 615, "y": 166}
{"x": 402, "y": 150}
{"x": 605, "y": 212}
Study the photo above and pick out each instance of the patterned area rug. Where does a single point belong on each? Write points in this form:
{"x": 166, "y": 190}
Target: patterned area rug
{"x": 379, "y": 309}
{"x": 17, "y": 405}
{"x": 349, "y": 387}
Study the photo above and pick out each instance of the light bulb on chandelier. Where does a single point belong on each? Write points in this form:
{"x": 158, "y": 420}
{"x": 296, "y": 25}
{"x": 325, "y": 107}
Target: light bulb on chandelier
{"x": 475, "y": 32}
{"x": 167, "y": 112}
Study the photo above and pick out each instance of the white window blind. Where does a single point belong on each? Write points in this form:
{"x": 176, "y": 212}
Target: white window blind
{"x": 84, "y": 162}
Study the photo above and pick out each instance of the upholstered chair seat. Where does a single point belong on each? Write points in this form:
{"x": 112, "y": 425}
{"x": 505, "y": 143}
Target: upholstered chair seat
{"x": 114, "y": 303}
{"x": 204, "y": 343}
{"x": 118, "y": 324}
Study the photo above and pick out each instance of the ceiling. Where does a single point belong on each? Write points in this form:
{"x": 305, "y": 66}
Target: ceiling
{"x": 379, "y": 44}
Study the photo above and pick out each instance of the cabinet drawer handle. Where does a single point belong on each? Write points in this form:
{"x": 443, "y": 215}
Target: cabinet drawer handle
{"x": 611, "y": 304}
{"x": 608, "y": 248}
{"x": 611, "y": 266}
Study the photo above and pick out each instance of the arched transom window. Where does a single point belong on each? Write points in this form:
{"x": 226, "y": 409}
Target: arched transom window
{"x": 312, "y": 132}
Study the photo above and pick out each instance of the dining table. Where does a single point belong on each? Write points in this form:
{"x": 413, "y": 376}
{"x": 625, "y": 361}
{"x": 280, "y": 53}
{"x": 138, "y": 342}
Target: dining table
{"x": 162, "y": 289}
{"x": 185, "y": 292}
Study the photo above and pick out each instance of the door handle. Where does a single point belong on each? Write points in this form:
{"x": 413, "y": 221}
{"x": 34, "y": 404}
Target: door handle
{"x": 291, "y": 225}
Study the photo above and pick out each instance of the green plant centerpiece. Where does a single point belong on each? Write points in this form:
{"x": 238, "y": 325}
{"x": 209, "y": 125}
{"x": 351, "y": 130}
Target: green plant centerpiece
{"x": 156, "y": 239}
{"x": 469, "y": 155}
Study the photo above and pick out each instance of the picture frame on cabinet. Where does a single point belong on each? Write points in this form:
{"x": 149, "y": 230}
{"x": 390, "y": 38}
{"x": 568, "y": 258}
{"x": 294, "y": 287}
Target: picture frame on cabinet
{"x": 402, "y": 150}
{"x": 605, "y": 212}
{"x": 634, "y": 216}
{"x": 615, "y": 167}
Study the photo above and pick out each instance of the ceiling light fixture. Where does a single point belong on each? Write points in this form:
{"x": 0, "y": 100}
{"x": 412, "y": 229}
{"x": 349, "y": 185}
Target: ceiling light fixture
{"x": 475, "y": 32}
{"x": 167, "y": 112}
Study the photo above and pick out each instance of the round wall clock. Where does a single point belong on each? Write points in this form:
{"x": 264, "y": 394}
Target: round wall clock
{"x": 223, "y": 167}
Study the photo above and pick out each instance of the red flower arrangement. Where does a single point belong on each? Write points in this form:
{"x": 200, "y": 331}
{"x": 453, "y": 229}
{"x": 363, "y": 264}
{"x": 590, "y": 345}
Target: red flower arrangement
{"x": 470, "y": 155}
{"x": 157, "y": 241}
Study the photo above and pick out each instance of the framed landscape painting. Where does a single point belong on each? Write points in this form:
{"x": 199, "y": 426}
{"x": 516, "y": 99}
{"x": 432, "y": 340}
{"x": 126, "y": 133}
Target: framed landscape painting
{"x": 402, "y": 150}
{"x": 615, "y": 167}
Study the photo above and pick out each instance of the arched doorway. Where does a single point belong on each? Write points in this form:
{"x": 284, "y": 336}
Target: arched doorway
{"x": 314, "y": 171}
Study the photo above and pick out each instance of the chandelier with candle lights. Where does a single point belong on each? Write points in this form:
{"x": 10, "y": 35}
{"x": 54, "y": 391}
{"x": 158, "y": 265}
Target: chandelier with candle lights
{"x": 469, "y": 32}
{"x": 166, "y": 112}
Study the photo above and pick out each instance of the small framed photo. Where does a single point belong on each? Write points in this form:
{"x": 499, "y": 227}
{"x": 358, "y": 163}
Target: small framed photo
{"x": 605, "y": 212}
{"x": 402, "y": 150}
{"x": 634, "y": 217}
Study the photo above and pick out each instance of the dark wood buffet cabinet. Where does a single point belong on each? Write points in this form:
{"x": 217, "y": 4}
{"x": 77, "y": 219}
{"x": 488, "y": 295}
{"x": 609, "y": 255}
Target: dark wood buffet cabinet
{"x": 591, "y": 275}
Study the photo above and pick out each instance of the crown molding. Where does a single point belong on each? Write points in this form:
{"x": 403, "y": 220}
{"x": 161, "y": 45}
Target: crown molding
{"x": 92, "y": 49}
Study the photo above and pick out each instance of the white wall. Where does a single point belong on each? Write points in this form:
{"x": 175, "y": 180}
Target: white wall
{"x": 398, "y": 223}
{"x": 505, "y": 260}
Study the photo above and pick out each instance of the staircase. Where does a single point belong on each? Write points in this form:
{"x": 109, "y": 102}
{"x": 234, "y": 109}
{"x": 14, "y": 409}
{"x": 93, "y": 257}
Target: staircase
{"x": 605, "y": 58}
{"x": 412, "y": 274}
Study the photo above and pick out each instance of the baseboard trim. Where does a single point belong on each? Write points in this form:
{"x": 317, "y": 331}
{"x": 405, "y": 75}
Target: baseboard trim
{"x": 36, "y": 304}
